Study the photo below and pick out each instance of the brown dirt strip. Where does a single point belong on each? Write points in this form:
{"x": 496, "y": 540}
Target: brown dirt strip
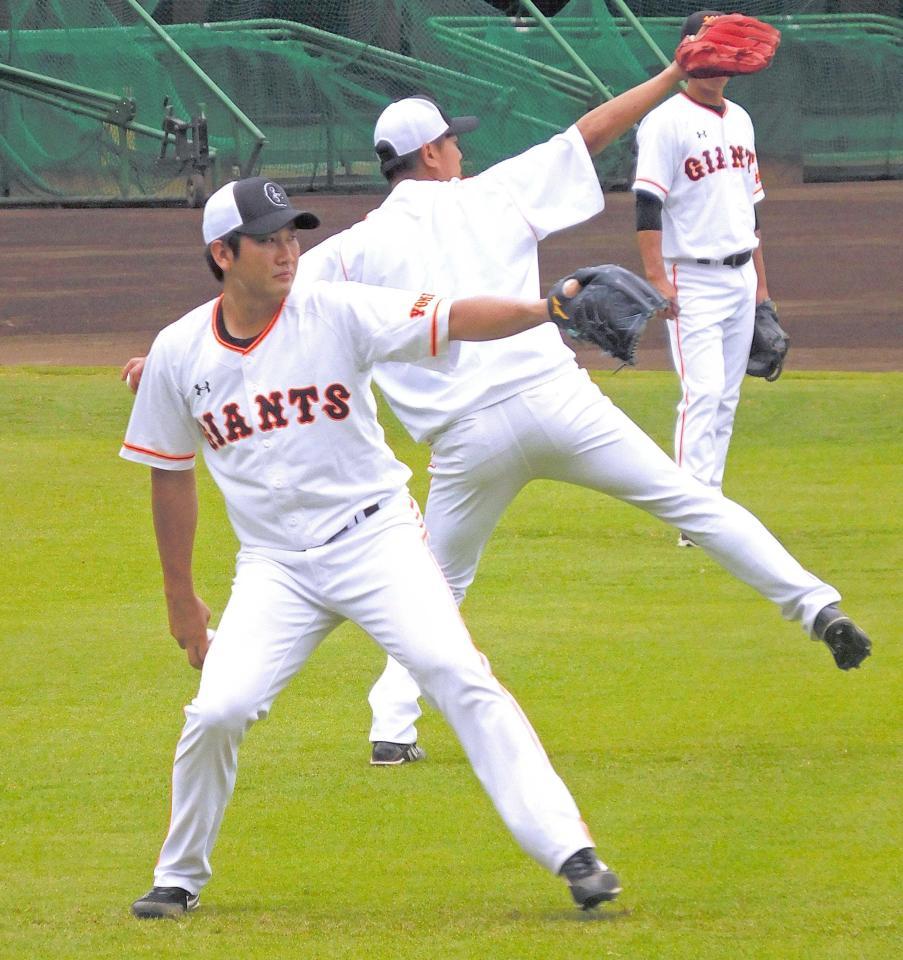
{"x": 93, "y": 286}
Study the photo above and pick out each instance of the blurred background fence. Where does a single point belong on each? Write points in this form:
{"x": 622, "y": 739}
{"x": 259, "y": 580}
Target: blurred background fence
{"x": 149, "y": 101}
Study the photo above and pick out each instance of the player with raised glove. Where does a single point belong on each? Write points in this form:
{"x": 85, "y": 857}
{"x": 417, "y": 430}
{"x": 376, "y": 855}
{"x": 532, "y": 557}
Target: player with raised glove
{"x": 727, "y": 45}
{"x": 770, "y": 343}
{"x": 605, "y": 305}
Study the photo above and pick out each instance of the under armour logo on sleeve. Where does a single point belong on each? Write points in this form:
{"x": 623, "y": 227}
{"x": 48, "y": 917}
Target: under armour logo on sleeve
{"x": 200, "y": 389}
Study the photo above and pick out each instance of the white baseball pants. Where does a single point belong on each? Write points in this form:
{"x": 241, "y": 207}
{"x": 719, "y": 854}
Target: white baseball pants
{"x": 381, "y": 575}
{"x": 710, "y": 341}
{"x": 567, "y": 430}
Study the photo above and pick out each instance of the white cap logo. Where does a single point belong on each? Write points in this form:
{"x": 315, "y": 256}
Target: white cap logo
{"x": 274, "y": 195}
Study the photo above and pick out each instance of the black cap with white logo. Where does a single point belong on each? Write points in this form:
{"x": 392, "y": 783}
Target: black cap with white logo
{"x": 255, "y": 206}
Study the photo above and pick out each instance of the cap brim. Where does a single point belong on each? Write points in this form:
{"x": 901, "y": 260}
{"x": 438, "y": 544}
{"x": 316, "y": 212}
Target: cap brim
{"x": 463, "y": 124}
{"x": 272, "y": 222}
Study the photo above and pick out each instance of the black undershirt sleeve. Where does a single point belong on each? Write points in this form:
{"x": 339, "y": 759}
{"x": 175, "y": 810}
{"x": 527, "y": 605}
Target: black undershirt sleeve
{"x": 648, "y": 211}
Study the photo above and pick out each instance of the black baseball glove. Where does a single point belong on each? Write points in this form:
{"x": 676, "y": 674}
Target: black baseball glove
{"x": 770, "y": 344}
{"x": 610, "y": 309}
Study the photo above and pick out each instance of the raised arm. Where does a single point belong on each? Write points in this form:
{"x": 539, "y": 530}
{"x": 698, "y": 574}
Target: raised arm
{"x": 610, "y": 120}
{"x": 175, "y": 508}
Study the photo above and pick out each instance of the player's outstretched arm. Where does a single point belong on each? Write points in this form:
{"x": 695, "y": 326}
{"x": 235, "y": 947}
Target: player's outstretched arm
{"x": 492, "y": 318}
{"x": 610, "y": 120}
{"x": 174, "y": 502}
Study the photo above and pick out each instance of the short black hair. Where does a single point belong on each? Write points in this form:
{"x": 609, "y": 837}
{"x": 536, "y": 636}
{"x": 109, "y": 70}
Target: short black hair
{"x": 693, "y": 23}
{"x": 233, "y": 242}
{"x": 391, "y": 165}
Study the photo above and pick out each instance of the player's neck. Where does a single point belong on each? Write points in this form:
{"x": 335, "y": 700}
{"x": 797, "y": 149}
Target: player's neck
{"x": 707, "y": 91}
{"x": 244, "y": 317}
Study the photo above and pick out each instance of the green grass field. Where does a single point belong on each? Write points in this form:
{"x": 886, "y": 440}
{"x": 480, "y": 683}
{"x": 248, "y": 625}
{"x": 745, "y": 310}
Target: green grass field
{"x": 746, "y": 791}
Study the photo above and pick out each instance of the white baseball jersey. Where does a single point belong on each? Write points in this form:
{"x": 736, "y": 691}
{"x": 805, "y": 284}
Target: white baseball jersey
{"x": 288, "y": 424}
{"x": 703, "y": 167}
{"x": 489, "y": 226}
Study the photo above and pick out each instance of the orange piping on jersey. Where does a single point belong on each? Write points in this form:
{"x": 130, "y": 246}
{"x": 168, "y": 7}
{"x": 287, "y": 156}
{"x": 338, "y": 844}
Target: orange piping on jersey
{"x": 257, "y": 340}
{"x": 434, "y": 331}
{"x": 156, "y": 453}
{"x": 654, "y": 184}
{"x": 683, "y": 417}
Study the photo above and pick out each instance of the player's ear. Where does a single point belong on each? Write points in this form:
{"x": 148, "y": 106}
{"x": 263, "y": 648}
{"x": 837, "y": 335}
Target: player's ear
{"x": 221, "y": 254}
{"x": 429, "y": 157}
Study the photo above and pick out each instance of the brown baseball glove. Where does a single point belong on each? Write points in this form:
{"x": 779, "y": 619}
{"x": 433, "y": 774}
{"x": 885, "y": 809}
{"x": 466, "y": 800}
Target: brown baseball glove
{"x": 729, "y": 45}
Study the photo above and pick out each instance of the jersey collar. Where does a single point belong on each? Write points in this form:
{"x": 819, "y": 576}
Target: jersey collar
{"x": 225, "y": 339}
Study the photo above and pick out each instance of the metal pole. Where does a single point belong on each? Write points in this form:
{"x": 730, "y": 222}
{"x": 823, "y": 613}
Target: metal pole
{"x": 242, "y": 117}
{"x": 546, "y": 24}
{"x": 631, "y": 18}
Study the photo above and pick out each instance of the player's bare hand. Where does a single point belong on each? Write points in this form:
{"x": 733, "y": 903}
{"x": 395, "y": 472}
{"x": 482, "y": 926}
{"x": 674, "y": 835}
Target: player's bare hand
{"x": 131, "y": 372}
{"x": 188, "y": 619}
{"x": 669, "y": 291}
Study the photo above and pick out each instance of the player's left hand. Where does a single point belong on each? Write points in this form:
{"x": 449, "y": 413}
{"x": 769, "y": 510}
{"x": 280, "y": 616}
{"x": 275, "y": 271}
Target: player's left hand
{"x": 606, "y": 305}
{"x": 131, "y": 372}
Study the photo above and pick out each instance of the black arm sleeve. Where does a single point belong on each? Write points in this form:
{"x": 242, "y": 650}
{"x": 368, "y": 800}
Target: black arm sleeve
{"x": 648, "y": 211}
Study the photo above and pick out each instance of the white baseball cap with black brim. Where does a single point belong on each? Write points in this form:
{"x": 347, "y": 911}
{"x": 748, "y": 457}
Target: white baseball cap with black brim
{"x": 255, "y": 206}
{"x": 406, "y": 125}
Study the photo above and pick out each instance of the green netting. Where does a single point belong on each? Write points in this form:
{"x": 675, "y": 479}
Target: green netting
{"x": 292, "y": 88}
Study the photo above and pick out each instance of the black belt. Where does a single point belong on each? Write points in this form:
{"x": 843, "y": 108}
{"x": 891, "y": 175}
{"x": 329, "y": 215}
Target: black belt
{"x": 359, "y": 517}
{"x": 734, "y": 260}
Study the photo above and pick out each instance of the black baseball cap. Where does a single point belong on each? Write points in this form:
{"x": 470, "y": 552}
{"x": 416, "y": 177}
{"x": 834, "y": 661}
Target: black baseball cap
{"x": 255, "y": 206}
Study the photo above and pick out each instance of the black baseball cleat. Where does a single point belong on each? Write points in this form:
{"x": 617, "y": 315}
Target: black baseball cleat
{"x": 591, "y": 882}
{"x": 849, "y": 645}
{"x": 387, "y": 754}
{"x": 161, "y": 903}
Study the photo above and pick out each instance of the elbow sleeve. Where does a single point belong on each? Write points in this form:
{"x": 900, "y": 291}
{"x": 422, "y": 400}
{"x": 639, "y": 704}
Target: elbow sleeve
{"x": 648, "y": 211}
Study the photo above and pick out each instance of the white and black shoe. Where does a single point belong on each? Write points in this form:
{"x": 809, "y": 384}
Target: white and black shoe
{"x": 161, "y": 903}
{"x": 386, "y": 754}
{"x": 591, "y": 882}
{"x": 684, "y": 541}
{"x": 848, "y": 644}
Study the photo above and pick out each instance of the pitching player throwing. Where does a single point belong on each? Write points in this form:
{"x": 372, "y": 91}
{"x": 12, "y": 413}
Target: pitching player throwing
{"x": 273, "y": 382}
{"x": 697, "y": 185}
{"x": 499, "y": 415}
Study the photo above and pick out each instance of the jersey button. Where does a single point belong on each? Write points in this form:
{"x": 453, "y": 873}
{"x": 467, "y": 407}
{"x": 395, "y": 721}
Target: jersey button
{"x": 268, "y": 443}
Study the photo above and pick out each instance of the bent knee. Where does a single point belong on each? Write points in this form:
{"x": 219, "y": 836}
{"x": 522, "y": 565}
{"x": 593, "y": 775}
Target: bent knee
{"x": 232, "y": 717}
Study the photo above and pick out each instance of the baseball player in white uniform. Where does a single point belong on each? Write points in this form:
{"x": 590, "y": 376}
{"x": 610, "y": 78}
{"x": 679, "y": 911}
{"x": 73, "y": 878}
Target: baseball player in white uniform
{"x": 273, "y": 383}
{"x": 498, "y": 415}
{"x": 697, "y": 184}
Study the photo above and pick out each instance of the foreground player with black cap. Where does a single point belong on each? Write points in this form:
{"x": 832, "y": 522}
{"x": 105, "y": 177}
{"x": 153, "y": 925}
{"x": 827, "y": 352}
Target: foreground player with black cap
{"x": 273, "y": 382}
